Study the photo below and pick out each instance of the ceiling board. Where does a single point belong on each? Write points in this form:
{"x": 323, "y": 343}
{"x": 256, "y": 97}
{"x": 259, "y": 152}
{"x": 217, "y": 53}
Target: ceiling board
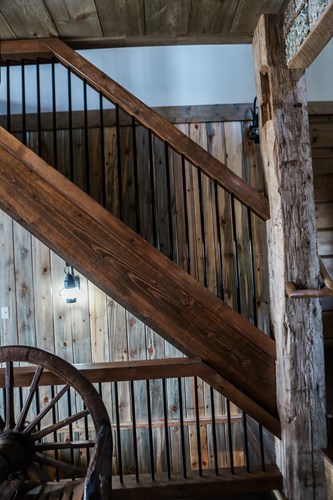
{"x": 246, "y": 19}
{"x": 121, "y": 17}
{"x": 121, "y": 23}
{"x": 75, "y": 18}
{"x": 28, "y": 19}
{"x": 5, "y": 30}
{"x": 167, "y": 17}
{"x": 212, "y": 16}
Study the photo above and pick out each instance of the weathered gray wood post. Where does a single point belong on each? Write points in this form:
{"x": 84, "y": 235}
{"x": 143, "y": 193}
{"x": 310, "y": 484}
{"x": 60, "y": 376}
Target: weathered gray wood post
{"x": 297, "y": 324}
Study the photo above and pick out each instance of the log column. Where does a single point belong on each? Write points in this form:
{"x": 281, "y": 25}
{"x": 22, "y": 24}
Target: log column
{"x": 297, "y": 324}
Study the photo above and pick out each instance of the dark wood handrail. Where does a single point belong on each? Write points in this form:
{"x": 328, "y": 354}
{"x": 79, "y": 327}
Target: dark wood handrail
{"x": 115, "y": 371}
{"x": 147, "y": 117}
{"x": 240, "y": 359}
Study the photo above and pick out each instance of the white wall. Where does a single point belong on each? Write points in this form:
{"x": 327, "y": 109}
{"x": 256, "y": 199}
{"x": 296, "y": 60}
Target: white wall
{"x": 165, "y": 76}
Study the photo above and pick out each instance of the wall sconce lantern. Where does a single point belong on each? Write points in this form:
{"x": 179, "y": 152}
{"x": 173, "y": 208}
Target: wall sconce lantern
{"x": 71, "y": 288}
{"x": 253, "y": 133}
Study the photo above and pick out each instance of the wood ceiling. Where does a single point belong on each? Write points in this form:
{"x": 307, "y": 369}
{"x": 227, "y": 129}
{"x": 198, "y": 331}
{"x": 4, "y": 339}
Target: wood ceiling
{"x": 116, "y": 23}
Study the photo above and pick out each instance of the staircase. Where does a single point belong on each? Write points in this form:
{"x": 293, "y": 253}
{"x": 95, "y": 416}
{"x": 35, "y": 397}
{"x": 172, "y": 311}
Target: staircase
{"x": 125, "y": 266}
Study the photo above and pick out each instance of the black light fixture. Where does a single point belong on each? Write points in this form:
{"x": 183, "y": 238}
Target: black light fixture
{"x": 253, "y": 133}
{"x": 71, "y": 288}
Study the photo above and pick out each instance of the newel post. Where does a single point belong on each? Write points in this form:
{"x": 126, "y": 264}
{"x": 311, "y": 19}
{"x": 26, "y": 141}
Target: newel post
{"x": 297, "y": 324}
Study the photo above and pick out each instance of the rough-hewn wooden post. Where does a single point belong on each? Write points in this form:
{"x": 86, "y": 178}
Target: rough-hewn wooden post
{"x": 285, "y": 146}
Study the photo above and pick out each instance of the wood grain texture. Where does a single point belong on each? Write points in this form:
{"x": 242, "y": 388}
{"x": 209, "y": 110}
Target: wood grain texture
{"x": 121, "y": 17}
{"x": 28, "y": 19}
{"x": 211, "y": 16}
{"x": 74, "y": 18}
{"x": 246, "y": 18}
{"x": 106, "y": 262}
{"x": 319, "y": 35}
{"x": 167, "y": 17}
{"x": 296, "y": 325}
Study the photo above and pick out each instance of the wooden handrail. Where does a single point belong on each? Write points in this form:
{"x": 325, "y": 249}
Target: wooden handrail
{"x": 326, "y": 291}
{"x": 167, "y": 132}
{"x": 240, "y": 359}
{"x": 115, "y": 371}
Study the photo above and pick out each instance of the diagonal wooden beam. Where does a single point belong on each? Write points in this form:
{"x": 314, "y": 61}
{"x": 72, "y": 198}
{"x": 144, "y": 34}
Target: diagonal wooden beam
{"x": 140, "y": 278}
{"x": 16, "y": 50}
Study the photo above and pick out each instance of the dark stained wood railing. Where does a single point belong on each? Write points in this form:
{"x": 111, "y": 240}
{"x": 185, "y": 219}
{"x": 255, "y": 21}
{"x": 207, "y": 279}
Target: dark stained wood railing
{"x": 218, "y": 462}
{"x": 147, "y": 117}
{"x": 140, "y": 278}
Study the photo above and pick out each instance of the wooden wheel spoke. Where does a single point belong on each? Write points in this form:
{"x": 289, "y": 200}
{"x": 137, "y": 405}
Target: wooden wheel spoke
{"x": 59, "y": 425}
{"x": 64, "y": 445}
{"x": 58, "y": 464}
{"x": 45, "y": 410}
{"x": 27, "y": 403}
{"x": 10, "y": 423}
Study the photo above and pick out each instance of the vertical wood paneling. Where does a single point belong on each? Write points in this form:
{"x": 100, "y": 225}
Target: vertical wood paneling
{"x": 62, "y": 324}
{"x": 24, "y": 286}
{"x": 99, "y": 347}
{"x": 9, "y": 331}
{"x": 41, "y": 267}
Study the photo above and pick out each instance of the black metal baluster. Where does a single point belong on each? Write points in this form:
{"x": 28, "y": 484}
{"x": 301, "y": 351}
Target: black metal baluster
{"x": 262, "y": 449}
{"x": 86, "y": 435}
{"x": 20, "y": 391}
{"x": 120, "y": 461}
{"x": 39, "y": 115}
{"x": 136, "y": 180}
{"x": 102, "y": 148}
{"x": 152, "y": 189}
{"x": 24, "y": 118}
{"x": 55, "y": 435}
{"x": 86, "y": 138}
{"x": 255, "y": 320}
{"x": 220, "y": 289}
{"x": 235, "y": 243}
{"x": 135, "y": 441}
{"x": 166, "y": 428}
{"x": 70, "y": 127}
{"x": 168, "y": 186}
{"x": 187, "y": 243}
{"x": 231, "y": 452}
{"x": 54, "y": 115}
{"x": 119, "y": 169}
{"x": 246, "y": 443}
{"x": 8, "y": 97}
{"x": 197, "y": 421}
{"x": 70, "y": 427}
{"x": 150, "y": 431}
{"x": 212, "y": 403}
{"x": 203, "y": 235}
{"x": 182, "y": 430}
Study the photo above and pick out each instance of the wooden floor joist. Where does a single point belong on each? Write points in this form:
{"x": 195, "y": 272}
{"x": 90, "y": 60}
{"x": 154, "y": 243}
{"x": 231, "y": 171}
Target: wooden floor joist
{"x": 239, "y": 359}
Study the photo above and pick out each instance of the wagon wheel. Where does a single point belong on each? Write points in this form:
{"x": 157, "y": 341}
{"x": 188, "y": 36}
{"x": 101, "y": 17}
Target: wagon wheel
{"x": 23, "y": 449}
